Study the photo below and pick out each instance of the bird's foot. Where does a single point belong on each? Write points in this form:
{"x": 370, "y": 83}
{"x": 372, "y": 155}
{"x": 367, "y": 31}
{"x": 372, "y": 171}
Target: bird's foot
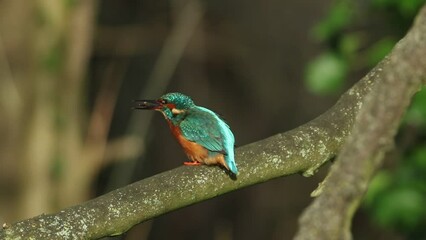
{"x": 194, "y": 163}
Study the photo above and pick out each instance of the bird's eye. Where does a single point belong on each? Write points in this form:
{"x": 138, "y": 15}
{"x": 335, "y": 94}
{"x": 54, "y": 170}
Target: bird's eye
{"x": 162, "y": 101}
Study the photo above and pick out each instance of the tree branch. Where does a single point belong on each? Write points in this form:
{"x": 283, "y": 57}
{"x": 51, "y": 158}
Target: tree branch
{"x": 372, "y": 136}
{"x": 301, "y": 150}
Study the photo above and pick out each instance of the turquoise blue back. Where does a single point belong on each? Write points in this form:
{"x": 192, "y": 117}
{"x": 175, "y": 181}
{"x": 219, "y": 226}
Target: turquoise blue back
{"x": 207, "y": 129}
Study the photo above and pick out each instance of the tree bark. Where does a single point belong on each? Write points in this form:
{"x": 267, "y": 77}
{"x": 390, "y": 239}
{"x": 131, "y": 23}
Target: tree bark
{"x": 399, "y": 79}
{"x": 301, "y": 150}
{"x": 44, "y": 50}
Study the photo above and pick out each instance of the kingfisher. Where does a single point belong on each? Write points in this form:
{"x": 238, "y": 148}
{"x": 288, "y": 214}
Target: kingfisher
{"x": 203, "y": 135}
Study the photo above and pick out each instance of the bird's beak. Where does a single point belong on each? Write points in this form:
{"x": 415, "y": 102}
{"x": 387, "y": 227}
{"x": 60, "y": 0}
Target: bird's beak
{"x": 147, "y": 104}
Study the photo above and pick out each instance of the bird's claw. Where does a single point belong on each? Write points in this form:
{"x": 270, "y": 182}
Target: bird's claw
{"x": 194, "y": 163}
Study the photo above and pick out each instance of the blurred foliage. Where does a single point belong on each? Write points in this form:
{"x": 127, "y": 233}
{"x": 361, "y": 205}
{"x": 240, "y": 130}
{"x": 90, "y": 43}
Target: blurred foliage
{"x": 379, "y": 50}
{"x": 405, "y": 9}
{"x": 416, "y": 114}
{"x": 324, "y": 74}
{"x": 396, "y": 197}
{"x": 338, "y": 18}
{"x": 350, "y": 46}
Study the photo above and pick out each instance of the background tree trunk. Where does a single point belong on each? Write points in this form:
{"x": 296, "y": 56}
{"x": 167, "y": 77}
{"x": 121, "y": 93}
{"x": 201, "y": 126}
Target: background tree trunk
{"x": 44, "y": 47}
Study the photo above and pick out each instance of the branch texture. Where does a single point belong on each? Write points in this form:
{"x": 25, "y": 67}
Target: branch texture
{"x": 301, "y": 150}
{"x": 400, "y": 78}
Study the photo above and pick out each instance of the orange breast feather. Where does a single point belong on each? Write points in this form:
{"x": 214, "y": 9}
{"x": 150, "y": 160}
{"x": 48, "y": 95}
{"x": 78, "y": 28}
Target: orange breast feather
{"x": 193, "y": 150}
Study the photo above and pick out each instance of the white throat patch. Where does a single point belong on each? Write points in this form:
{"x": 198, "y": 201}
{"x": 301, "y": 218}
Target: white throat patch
{"x": 177, "y": 111}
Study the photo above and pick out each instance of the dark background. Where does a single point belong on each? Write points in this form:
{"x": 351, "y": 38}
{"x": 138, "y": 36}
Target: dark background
{"x": 266, "y": 66}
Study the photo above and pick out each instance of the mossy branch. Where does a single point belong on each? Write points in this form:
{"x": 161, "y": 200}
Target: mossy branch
{"x": 301, "y": 150}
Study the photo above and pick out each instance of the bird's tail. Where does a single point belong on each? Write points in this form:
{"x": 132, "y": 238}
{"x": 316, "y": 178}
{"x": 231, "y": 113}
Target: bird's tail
{"x": 231, "y": 164}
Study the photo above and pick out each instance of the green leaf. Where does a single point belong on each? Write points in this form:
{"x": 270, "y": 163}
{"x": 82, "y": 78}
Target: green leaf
{"x": 379, "y": 185}
{"x": 401, "y": 208}
{"x": 350, "y": 44}
{"x": 419, "y": 159}
{"x": 416, "y": 114}
{"x": 325, "y": 74}
{"x": 383, "y": 3}
{"x": 379, "y": 50}
{"x": 339, "y": 17}
{"x": 409, "y": 8}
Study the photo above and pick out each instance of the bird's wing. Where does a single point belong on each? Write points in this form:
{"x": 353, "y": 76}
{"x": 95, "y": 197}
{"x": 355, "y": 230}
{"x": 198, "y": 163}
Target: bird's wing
{"x": 203, "y": 128}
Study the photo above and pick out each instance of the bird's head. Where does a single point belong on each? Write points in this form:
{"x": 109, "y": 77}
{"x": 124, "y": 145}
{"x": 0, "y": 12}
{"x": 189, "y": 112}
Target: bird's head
{"x": 170, "y": 104}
